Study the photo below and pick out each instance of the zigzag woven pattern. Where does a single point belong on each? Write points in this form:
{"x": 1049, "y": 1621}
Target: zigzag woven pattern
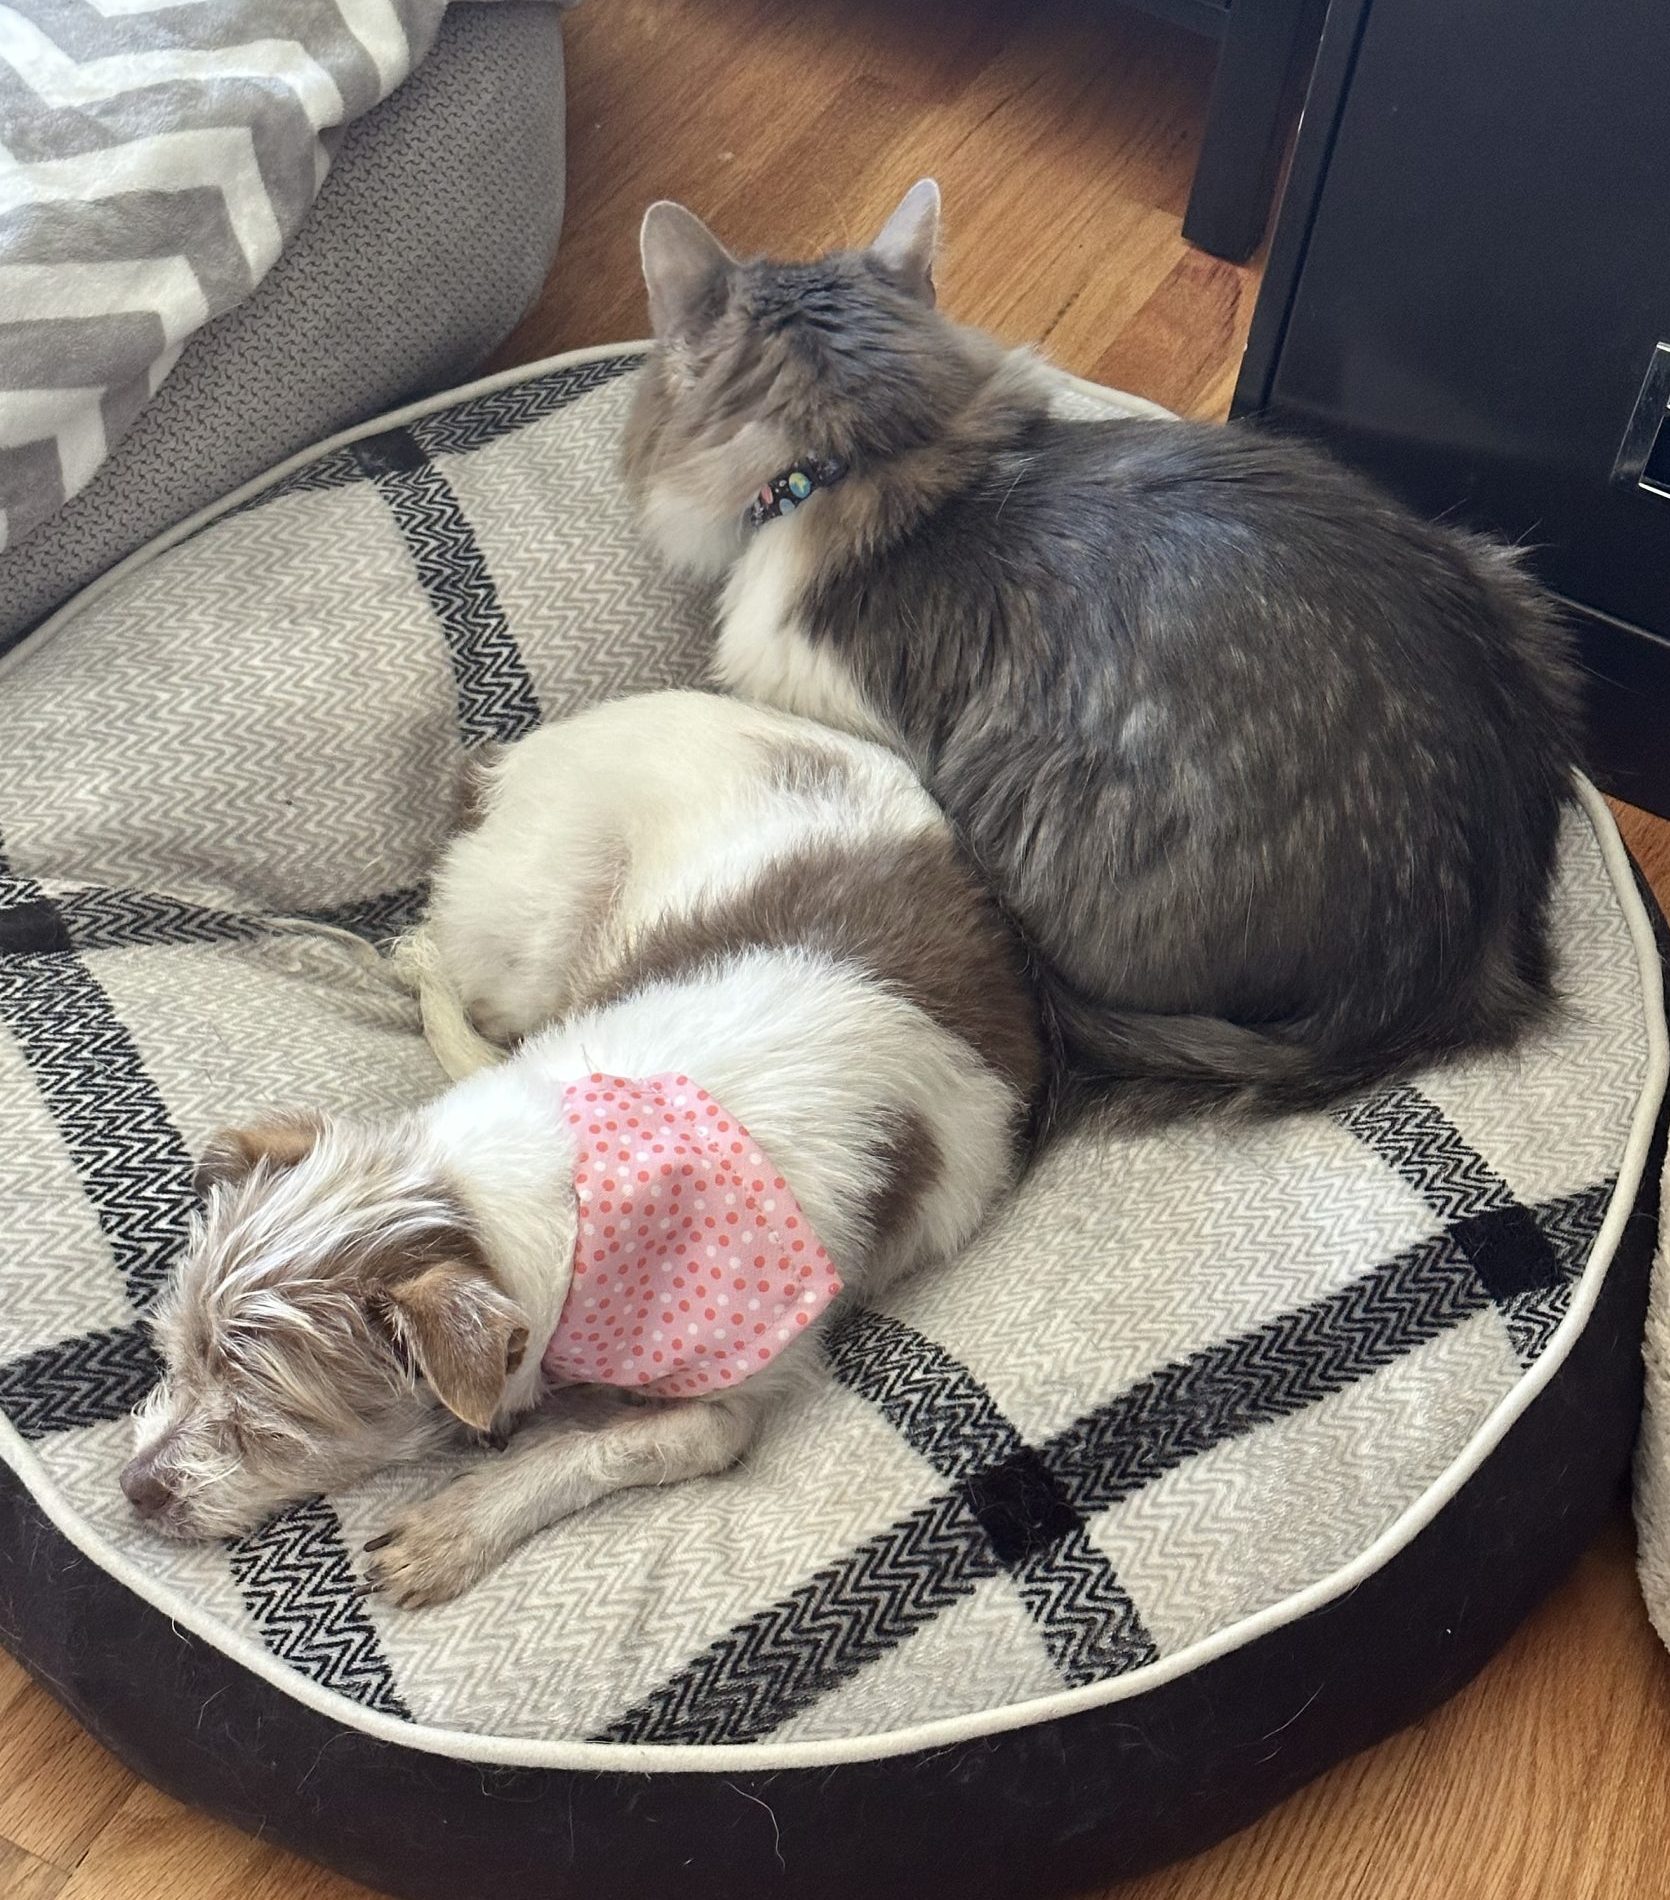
{"x": 86, "y": 1380}
{"x": 921, "y": 1391}
{"x": 96, "y": 919}
{"x": 1177, "y": 1379}
{"x": 496, "y": 698}
{"x": 503, "y": 412}
{"x": 133, "y": 1165}
{"x": 300, "y": 1588}
{"x": 783, "y": 1657}
{"x": 763, "y": 1672}
{"x": 336, "y": 469}
{"x": 1088, "y": 1620}
{"x": 1415, "y": 1138}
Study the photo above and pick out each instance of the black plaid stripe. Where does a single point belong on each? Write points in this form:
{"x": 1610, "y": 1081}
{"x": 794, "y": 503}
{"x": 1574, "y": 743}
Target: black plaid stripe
{"x": 129, "y": 1156}
{"x": 1567, "y": 1228}
{"x": 769, "y": 1668}
{"x": 96, "y": 917}
{"x": 300, "y": 1590}
{"x": 1089, "y": 1621}
{"x": 933, "y": 1401}
{"x": 100, "y": 918}
{"x": 89, "y": 1380}
{"x": 377, "y": 919}
{"x": 468, "y": 426}
{"x": 487, "y": 419}
{"x": 496, "y": 699}
{"x": 1415, "y": 1138}
{"x": 337, "y": 469}
{"x": 295, "y": 1573}
{"x": 1298, "y": 1358}
{"x": 1291, "y": 1362}
{"x": 784, "y": 1657}
{"x": 944, "y": 1413}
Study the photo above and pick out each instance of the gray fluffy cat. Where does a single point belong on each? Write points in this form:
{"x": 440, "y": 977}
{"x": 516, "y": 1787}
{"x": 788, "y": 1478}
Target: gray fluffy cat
{"x": 1268, "y": 770}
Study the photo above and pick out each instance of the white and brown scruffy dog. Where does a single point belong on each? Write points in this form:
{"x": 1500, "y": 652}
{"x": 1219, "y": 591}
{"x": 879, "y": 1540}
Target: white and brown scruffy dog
{"x": 742, "y": 947}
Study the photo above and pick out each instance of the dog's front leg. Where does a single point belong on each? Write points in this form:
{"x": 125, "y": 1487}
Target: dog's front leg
{"x": 435, "y": 1550}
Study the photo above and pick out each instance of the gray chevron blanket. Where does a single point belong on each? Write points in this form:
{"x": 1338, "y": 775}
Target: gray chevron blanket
{"x": 154, "y": 161}
{"x": 1185, "y": 1389}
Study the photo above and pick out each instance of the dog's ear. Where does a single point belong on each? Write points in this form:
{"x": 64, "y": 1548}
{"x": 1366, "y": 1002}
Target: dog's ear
{"x": 685, "y": 267}
{"x": 234, "y": 1153}
{"x": 466, "y": 1335}
{"x": 906, "y": 243}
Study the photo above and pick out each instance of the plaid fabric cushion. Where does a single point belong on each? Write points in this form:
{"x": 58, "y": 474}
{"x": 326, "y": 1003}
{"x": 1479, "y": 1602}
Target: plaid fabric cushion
{"x": 1183, "y": 1382}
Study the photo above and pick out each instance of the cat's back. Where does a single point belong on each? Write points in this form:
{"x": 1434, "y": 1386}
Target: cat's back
{"x": 1239, "y": 738}
{"x": 1070, "y": 481}
{"x": 1223, "y": 550}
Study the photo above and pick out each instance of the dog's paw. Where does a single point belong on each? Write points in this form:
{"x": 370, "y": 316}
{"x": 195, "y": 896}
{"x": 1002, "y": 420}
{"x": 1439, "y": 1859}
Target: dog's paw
{"x": 431, "y": 1553}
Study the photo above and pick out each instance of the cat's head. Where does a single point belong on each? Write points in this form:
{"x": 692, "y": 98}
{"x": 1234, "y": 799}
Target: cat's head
{"x": 758, "y": 365}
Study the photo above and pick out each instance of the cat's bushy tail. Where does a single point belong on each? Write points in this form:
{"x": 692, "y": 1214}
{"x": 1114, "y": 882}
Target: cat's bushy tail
{"x": 1147, "y": 1068}
{"x": 1150, "y": 1068}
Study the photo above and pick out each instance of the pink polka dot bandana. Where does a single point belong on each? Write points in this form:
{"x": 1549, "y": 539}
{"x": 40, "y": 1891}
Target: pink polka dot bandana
{"x": 694, "y": 1265}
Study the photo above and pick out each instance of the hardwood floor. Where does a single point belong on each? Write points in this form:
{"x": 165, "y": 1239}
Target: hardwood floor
{"x": 1064, "y": 134}
{"x": 1064, "y": 138}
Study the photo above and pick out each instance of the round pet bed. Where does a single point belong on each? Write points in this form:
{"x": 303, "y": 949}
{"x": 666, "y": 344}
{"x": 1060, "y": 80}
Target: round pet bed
{"x": 1221, "y": 1455}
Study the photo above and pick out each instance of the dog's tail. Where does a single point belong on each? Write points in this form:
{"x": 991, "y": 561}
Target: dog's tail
{"x": 458, "y": 1045}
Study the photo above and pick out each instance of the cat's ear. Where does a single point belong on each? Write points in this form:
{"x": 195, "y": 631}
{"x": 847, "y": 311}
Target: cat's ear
{"x": 684, "y": 266}
{"x": 907, "y": 241}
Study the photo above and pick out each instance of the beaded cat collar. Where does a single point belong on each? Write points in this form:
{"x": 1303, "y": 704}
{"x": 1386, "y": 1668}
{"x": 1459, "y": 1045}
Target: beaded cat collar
{"x": 784, "y": 493}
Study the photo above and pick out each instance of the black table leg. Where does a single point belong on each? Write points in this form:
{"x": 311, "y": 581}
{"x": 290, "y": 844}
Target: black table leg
{"x": 1235, "y": 180}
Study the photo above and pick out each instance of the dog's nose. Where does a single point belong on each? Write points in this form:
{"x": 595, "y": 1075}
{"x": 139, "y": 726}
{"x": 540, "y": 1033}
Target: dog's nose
{"x": 143, "y": 1489}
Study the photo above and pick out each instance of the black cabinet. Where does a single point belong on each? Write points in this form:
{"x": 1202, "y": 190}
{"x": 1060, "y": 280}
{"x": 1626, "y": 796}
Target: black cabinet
{"x": 1264, "y": 45}
{"x": 1467, "y": 293}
